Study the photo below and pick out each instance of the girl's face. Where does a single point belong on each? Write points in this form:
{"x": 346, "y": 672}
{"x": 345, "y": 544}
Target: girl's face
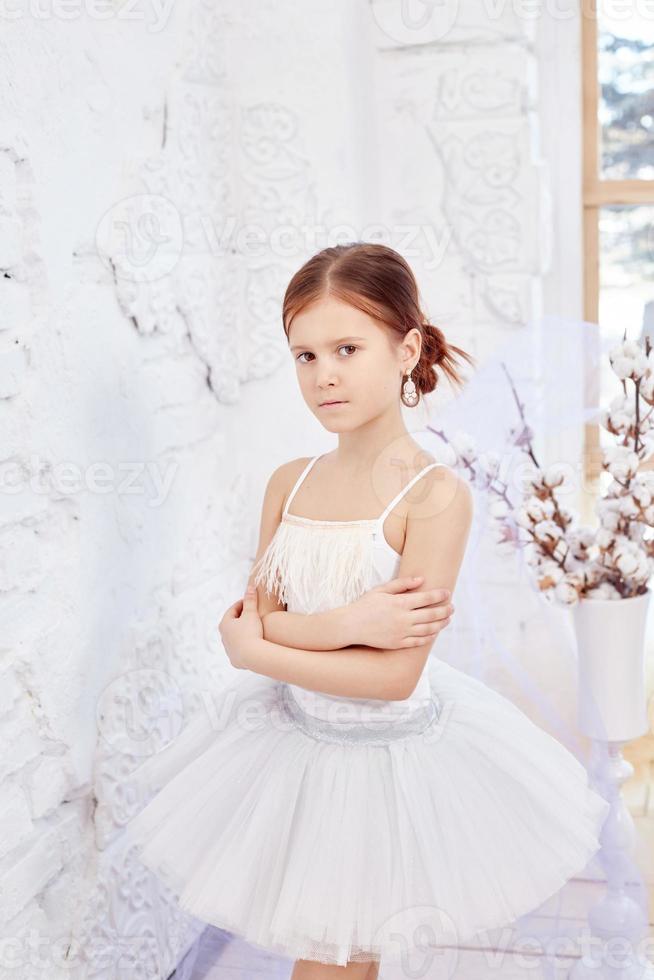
{"x": 345, "y": 357}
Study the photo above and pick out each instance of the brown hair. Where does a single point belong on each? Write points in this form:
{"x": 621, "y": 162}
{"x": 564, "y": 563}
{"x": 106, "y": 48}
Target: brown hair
{"x": 377, "y": 280}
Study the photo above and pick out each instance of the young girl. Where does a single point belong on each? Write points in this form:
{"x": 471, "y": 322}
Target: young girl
{"x": 351, "y": 797}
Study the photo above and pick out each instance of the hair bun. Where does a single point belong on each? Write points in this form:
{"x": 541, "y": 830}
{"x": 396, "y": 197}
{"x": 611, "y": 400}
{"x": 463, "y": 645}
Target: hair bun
{"x": 434, "y": 351}
{"x": 434, "y": 343}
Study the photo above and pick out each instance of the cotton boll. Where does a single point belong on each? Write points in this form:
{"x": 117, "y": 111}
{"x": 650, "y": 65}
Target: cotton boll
{"x": 631, "y": 348}
{"x": 619, "y": 417}
{"x": 550, "y": 570}
{"x": 489, "y": 464}
{"x": 566, "y": 593}
{"x": 549, "y": 507}
{"x": 594, "y": 574}
{"x": 642, "y": 365}
{"x": 560, "y": 549}
{"x": 635, "y": 531}
{"x": 604, "y": 537}
{"x": 575, "y": 577}
{"x": 522, "y": 518}
{"x": 607, "y": 505}
{"x": 629, "y": 360}
{"x": 549, "y": 575}
{"x": 532, "y": 555}
{"x": 554, "y": 476}
{"x": 628, "y": 507}
{"x": 641, "y": 495}
{"x": 464, "y": 446}
{"x": 498, "y": 507}
{"x": 580, "y": 541}
{"x": 647, "y": 440}
{"x": 627, "y": 564}
{"x": 547, "y": 531}
{"x": 535, "y": 509}
{"x": 609, "y": 519}
{"x": 622, "y": 543}
{"x": 566, "y": 515}
{"x": 631, "y": 560}
{"x": 606, "y": 590}
{"x": 623, "y": 465}
{"x": 613, "y": 490}
{"x": 647, "y": 387}
{"x": 610, "y": 522}
{"x": 619, "y": 422}
{"x": 611, "y": 453}
{"x": 621, "y": 403}
{"x": 623, "y": 366}
{"x": 586, "y": 537}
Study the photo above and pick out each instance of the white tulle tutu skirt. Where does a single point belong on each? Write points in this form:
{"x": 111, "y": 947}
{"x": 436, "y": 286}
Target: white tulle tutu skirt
{"x": 326, "y": 842}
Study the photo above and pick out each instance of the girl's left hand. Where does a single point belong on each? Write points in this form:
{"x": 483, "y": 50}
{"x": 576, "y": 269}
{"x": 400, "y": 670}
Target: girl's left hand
{"x": 240, "y": 628}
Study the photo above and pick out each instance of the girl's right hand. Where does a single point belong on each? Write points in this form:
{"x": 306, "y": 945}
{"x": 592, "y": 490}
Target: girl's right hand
{"x": 392, "y": 616}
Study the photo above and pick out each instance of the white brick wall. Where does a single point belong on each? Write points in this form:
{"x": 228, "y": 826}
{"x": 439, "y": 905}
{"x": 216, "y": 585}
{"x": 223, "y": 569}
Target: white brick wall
{"x": 136, "y": 441}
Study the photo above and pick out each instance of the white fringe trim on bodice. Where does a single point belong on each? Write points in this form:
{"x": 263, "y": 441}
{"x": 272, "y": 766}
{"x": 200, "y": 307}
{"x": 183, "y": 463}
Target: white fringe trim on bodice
{"x": 315, "y": 567}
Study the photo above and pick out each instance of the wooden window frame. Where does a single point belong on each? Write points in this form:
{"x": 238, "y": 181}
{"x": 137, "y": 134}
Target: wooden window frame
{"x": 596, "y": 193}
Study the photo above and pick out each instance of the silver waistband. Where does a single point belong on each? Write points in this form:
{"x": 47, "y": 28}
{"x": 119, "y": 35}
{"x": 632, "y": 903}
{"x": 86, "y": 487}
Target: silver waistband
{"x": 378, "y": 731}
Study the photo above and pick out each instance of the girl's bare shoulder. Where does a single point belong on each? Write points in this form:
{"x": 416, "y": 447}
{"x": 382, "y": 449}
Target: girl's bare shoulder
{"x": 445, "y": 492}
{"x": 283, "y": 478}
{"x": 290, "y": 470}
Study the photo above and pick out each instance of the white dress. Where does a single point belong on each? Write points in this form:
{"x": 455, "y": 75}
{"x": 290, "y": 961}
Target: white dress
{"x": 335, "y": 829}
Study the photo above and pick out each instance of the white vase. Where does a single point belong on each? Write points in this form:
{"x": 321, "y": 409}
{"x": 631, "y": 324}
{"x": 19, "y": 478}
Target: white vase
{"x": 611, "y": 667}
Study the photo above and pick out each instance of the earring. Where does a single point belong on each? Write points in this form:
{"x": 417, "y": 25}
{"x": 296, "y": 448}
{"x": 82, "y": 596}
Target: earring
{"x": 409, "y": 394}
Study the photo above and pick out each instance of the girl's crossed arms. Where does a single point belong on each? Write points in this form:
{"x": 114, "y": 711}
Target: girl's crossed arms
{"x": 376, "y": 646}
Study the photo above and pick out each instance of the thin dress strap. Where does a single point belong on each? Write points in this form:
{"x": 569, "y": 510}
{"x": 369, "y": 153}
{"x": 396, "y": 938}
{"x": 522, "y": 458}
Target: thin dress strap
{"x": 297, "y": 483}
{"x": 405, "y": 489}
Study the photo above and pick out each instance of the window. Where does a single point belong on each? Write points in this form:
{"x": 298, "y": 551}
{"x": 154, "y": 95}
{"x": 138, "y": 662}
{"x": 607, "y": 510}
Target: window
{"x": 618, "y": 184}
